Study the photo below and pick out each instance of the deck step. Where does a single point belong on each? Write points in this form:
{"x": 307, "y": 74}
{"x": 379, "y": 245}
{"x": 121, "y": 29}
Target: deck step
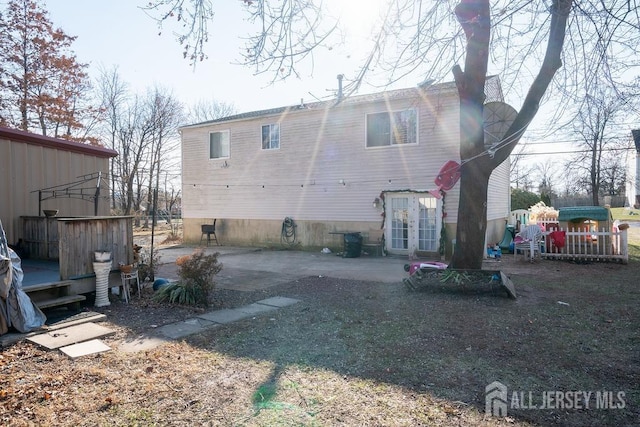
{"x": 46, "y": 286}
{"x": 55, "y": 302}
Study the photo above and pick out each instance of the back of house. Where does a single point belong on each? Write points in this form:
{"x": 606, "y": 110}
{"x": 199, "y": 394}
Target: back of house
{"x": 367, "y": 163}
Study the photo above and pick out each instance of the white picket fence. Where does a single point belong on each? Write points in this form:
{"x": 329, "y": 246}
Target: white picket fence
{"x": 520, "y": 218}
{"x": 580, "y": 244}
{"x": 585, "y": 244}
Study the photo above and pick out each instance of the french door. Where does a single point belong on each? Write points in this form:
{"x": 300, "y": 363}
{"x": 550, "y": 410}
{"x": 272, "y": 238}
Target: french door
{"x": 413, "y": 222}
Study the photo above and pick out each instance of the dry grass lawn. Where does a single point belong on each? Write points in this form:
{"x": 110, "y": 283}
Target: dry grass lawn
{"x": 356, "y": 354}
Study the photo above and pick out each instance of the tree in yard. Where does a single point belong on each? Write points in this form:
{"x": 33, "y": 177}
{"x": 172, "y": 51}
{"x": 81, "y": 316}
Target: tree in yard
{"x": 546, "y": 173}
{"x": 165, "y": 112}
{"x": 204, "y": 111}
{"x": 523, "y": 39}
{"x": 142, "y": 128}
{"x": 43, "y": 87}
{"x": 601, "y": 159}
{"x": 133, "y": 139}
{"x": 113, "y": 95}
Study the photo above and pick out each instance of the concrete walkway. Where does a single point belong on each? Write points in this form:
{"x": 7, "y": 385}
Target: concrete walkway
{"x": 204, "y": 322}
{"x": 250, "y": 269}
{"x": 221, "y": 317}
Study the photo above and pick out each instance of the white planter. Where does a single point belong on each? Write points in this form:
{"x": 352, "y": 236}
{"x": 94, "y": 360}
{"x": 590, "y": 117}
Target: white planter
{"x": 102, "y": 283}
{"x": 101, "y": 256}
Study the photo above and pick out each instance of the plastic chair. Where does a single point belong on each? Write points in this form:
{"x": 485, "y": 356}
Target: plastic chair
{"x": 209, "y": 230}
{"x": 528, "y": 240}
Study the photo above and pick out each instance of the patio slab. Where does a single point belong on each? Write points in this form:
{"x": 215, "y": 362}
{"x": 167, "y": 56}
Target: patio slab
{"x": 85, "y": 348}
{"x": 278, "y": 301}
{"x": 71, "y": 335}
{"x": 141, "y": 343}
{"x": 187, "y": 327}
{"x": 224, "y": 316}
{"x": 252, "y": 309}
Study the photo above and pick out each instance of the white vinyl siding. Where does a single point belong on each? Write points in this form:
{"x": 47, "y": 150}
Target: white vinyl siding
{"x": 319, "y": 148}
{"x": 219, "y": 145}
{"x": 271, "y": 137}
{"x": 498, "y": 198}
{"x": 392, "y": 128}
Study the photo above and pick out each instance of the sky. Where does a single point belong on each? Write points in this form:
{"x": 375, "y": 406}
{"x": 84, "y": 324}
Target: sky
{"x": 118, "y": 33}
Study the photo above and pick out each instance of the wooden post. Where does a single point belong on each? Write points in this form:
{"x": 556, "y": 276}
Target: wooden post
{"x": 624, "y": 249}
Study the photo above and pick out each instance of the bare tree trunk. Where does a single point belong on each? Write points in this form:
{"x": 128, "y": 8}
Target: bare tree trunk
{"x": 474, "y": 17}
{"x": 595, "y": 175}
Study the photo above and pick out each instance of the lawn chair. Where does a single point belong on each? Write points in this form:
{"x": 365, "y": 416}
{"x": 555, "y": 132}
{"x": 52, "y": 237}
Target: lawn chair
{"x": 528, "y": 241}
{"x": 209, "y": 230}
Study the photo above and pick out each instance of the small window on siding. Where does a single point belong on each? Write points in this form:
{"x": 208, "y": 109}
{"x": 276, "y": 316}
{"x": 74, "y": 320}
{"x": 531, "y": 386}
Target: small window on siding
{"x": 271, "y": 137}
{"x": 395, "y": 128}
{"x": 219, "y": 145}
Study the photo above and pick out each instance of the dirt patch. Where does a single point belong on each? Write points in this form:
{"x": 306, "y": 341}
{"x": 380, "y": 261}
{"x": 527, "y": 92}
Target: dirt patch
{"x": 357, "y": 353}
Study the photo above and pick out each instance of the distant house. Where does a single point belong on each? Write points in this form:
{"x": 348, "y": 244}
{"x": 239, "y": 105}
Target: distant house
{"x": 33, "y": 163}
{"x": 633, "y": 172}
{"x": 362, "y": 163}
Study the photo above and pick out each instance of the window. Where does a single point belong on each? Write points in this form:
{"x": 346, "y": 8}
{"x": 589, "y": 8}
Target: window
{"x": 398, "y": 127}
{"x": 271, "y": 137}
{"x": 219, "y": 145}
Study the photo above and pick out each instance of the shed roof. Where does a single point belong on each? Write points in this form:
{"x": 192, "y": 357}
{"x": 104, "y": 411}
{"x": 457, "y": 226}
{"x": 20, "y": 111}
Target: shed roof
{"x": 55, "y": 143}
{"x": 573, "y": 213}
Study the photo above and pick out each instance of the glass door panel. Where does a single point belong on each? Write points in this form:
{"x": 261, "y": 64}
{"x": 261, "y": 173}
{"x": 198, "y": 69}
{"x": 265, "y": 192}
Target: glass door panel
{"x": 399, "y": 223}
{"x": 427, "y": 224}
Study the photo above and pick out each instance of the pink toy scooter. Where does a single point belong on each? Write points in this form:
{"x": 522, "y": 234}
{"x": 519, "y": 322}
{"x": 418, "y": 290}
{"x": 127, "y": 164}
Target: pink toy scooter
{"x": 412, "y": 267}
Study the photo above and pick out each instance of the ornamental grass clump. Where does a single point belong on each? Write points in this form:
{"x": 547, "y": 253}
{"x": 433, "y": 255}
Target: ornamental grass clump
{"x": 196, "y": 272}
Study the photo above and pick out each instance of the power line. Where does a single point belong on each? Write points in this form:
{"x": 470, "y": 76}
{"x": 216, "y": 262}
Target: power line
{"x": 568, "y": 141}
{"x": 572, "y": 152}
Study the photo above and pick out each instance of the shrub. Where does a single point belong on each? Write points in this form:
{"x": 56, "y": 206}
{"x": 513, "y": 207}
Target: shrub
{"x": 521, "y": 199}
{"x": 147, "y": 267}
{"x": 196, "y": 283}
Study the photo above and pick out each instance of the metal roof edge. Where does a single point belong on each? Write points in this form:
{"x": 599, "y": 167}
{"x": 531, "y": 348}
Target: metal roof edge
{"x": 355, "y": 99}
{"x": 55, "y": 143}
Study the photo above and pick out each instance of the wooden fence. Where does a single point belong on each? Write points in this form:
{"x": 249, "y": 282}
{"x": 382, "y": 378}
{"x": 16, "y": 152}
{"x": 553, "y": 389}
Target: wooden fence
{"x": 40, "y": 237}
{"x": 585, "y": 244}
{"x": 80, "y": 238}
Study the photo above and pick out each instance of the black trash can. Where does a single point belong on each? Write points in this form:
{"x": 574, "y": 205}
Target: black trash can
{"x": 352, "y": 245}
